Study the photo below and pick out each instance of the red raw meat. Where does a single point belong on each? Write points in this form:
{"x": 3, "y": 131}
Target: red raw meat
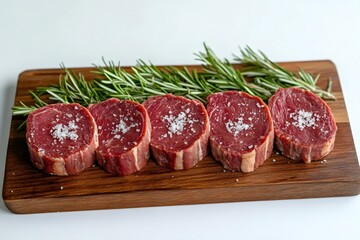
{"x": 180, "y": 131}
{"x": 242, "y": 134}
{"x": 61, "y": 138}
{"x": 304, "y": 125}
{"x": 124, "y": 135}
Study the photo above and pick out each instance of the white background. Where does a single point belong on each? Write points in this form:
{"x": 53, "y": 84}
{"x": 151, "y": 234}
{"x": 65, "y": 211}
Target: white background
{"x": 42, "y": 34}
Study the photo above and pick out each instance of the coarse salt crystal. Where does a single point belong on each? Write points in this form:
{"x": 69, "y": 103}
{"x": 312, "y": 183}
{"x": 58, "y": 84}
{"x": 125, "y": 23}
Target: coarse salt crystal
{"x": 177, "y": 124}
{"x": 303, "y": 119}
{"x": 61, "y": 132}
{"x": 41, "y": 151}
{"x": 259, "y": 105}
{"x": 236, "y": 127}
{"x": 122, "y": 128}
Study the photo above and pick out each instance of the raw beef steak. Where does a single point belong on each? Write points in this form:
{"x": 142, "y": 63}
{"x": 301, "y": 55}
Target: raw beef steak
{"x": 304, "y": 126}
{"x": 242, "y": 134}
{"x": 180, "y": 131}
{"x": 61, "y": 138}
{"x": 124, "y": 135}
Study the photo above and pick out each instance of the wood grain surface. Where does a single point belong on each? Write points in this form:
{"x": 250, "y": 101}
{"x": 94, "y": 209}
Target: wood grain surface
{"x": 27, "y": 190}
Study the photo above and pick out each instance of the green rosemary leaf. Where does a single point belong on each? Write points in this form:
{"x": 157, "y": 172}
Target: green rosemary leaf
{"x": 23, "y": 109}
{"x": 329, "y": 87}
{"x": 260, "y": 65}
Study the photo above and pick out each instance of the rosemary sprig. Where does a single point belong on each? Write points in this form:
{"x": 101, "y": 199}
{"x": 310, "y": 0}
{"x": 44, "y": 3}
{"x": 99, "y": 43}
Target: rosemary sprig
{"x": 71, "y": 88}
{"x": 226, "y": 77}
{"x": 272, "y": 76}
{"x": 25, "y": 110}
{"x": 146, "y": 80}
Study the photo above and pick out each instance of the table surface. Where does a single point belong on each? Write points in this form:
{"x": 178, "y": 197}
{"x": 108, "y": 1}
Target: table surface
{"x": 43, "y": 34}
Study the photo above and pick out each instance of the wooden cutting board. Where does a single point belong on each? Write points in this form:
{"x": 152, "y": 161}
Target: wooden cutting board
{"x": 28, "y": 190}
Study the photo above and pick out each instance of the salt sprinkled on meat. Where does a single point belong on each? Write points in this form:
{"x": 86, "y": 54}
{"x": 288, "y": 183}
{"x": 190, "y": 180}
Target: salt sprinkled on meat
{"x": 259, "y": 105}
{"x": 122, "y": 127}
{"x": 61, "y": 132}
{"x": 41, "y": 151}
{"x": 236, "y": 127}
{"x": 304, "y": 119}
{"x": 177, "y": 124}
